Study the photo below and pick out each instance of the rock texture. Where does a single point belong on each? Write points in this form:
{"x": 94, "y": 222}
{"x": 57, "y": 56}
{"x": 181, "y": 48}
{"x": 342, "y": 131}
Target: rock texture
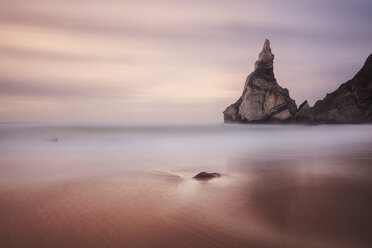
{"x": 205, "y": 175}
{"x": 303, "y": 113}
{"x": 350, "y": 103}
{"x": 263, "y": 100}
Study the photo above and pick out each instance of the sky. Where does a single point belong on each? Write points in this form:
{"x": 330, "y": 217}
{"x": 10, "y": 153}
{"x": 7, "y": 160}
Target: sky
{"x": 169, "y": 60}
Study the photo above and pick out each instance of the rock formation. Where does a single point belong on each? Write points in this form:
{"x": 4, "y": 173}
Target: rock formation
{"x": 205, "y": 175}
{"x": 303, "y": 113}
{"x": 263, "y": 100}
{"x": 350, "y": 103}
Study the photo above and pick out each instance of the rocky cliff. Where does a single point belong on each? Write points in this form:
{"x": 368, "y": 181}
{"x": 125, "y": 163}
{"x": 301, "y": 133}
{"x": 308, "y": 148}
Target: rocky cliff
{"x": 262, "y": 100}
{"x": 350, "y": 103}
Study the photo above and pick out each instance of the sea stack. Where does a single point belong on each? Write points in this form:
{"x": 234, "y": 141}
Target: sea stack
{"x": 350, "y": 103}
{"x": 262, "y": 100}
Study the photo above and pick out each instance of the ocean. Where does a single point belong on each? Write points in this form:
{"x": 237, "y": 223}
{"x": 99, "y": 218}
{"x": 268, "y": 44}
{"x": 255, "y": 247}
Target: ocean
{"x": 131, "y": 185}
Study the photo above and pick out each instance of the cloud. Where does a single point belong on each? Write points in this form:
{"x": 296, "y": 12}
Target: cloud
{"x": 32, "y": 54}
{"x": 11, "y": 87}
{"x": 142, "y": 60}
{"x": 210, "y": 20}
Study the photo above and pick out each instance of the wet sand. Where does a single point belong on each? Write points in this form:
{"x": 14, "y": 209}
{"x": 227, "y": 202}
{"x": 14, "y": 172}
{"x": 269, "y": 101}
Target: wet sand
{"x": 66, "y": 194}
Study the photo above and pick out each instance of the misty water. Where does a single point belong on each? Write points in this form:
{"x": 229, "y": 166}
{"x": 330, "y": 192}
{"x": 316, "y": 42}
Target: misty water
{"x": 281, "y": 185}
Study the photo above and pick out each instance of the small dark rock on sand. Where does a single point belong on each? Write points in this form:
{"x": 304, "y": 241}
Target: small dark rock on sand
{"x": 206, "y": 175}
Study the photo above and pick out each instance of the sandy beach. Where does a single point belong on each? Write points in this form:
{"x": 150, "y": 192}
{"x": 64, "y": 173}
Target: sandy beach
{"x": 132, "y": 186}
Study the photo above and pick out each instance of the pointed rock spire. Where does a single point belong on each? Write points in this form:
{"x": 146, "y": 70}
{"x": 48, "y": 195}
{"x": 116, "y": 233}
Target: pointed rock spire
{"x": 264, "y": 66}
{"x": 262, "y": 99}
{"x": 266, "y": 57}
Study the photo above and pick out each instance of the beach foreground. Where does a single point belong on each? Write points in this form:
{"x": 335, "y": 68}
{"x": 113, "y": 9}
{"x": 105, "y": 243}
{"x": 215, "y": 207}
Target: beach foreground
{"x": 130, "y": 185}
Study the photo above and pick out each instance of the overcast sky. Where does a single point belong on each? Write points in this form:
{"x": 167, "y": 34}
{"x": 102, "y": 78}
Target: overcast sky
{"x": 169, "y": 60}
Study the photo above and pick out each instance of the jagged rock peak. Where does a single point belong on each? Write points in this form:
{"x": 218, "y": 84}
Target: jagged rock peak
{"x": 266, "y": 57}
{"x": 264, "y": 66}
{"x": 303, "y": 113}
{"x": 262, "y": 100}
{"x": 303, "y": 105}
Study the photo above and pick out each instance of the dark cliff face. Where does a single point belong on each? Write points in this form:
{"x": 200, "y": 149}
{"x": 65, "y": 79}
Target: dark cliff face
{"x": 262, "y": 100}
{"x": 303, "y": 113}
{"x": 350, "y": 103}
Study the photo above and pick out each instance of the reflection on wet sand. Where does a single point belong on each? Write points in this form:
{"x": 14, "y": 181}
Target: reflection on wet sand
{"x": 109, "y": 199}
{"x": 326, "y": 209}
